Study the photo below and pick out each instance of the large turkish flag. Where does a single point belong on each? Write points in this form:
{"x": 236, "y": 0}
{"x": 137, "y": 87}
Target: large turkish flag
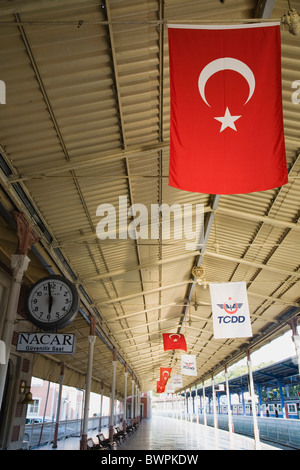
{"x": 174, "y": 341}
{"x": 226, "y": 134}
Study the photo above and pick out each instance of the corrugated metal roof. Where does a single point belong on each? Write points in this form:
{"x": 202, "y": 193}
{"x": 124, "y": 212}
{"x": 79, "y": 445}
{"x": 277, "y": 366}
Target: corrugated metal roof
{"x": 87, "y": 121}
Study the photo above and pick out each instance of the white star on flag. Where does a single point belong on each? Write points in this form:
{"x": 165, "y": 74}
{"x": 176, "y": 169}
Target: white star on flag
{"x": 227, "y": 120}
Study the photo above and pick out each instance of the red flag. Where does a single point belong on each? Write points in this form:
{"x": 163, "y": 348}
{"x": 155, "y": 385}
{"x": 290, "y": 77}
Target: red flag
{"x": 164, "y": 374}
{"x": 226, "y": 134}
{"x": 174, "y": 341}
{"x": 160, "y": 388}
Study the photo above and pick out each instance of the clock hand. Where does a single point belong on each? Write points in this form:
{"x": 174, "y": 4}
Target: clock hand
{"x": 50, "y": 298}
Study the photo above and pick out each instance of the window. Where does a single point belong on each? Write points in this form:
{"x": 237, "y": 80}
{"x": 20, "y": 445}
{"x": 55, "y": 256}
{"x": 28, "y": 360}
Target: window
{"x": 33, "y": 408}
{"x": 291, "y": 408}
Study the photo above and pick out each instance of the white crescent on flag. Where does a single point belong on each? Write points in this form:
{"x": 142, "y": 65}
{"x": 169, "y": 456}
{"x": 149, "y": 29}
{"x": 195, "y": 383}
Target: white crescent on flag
{"x": 177, "y": 337}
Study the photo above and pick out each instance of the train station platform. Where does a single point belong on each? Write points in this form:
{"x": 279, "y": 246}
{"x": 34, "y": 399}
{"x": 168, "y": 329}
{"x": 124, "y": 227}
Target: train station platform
{"x": 167, "y": 434}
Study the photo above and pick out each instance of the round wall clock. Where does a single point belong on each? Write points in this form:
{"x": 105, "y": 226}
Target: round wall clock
{"x": 52, "y": 303}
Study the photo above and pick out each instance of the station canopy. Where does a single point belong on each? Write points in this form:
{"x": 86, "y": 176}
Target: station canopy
{"x": 87, "y": 123}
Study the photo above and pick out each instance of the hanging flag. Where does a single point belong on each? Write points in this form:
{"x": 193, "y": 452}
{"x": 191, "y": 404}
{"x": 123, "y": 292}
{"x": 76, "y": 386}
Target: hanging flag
{"x": 176, "y": 381}
{"x": 231, "y": 318}
{"x": 188, "y": 365}
{"x": 164, "y": 374}
{"x": 226, "y": 134}
{"x": 160, "y": 388}
{"x": 170, "y": 388}
{"x": 174, "y": 341}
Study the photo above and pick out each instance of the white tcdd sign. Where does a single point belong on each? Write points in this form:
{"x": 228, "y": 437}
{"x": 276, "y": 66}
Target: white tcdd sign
{"x": 49, "y": 343}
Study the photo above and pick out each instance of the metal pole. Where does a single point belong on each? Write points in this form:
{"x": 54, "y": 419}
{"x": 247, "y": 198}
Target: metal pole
{"x": 112, "y": 403}
{"x": 197, "y": 397}
{"x": 91, "y": 340}
{"x": 204, "y": 406}
{"x": 136, "y": 403}
{"x": 230, "y": 423}
{"x": 61, "y": 379}
{"x": 132, "y": 401}
{"x": 257, "y": 444}
{"x": 44, "y": 414}
{"x": 101, "y": 406}
{"x": 214, "y": 403}
{"x": 125, "y": 398}
{"x": 296, "y": 339}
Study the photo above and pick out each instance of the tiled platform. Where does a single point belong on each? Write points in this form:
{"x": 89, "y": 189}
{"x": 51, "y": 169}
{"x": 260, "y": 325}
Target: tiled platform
{"x": 161, "y": 433}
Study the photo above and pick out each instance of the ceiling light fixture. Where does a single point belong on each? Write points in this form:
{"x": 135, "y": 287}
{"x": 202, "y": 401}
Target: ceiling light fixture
{"x": 292, "y": 19}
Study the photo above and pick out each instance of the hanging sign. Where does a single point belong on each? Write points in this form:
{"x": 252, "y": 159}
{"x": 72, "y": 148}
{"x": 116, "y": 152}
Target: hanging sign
{"x": 230, "y": 310}
{"x": 170, "y": 388}
{"x": 177, "y": 381}
{"x": 188, "y": 364}
{"x": 47, "y": 343}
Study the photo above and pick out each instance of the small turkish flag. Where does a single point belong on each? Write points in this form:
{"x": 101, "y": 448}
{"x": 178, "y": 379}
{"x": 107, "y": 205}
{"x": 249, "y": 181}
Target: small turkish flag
{"x": 165, "y": 374}
{"x": 160, "y": 388}
{"x": 226, "y": 128}
{"x": 174, "y": 341}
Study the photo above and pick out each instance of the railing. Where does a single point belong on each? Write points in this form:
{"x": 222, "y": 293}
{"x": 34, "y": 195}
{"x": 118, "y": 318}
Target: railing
{"x": 37, "y": 434}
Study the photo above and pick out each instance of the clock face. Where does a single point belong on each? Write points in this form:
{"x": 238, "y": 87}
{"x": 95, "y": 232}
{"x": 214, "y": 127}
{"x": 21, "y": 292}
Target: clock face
{"x": 52, "y": 303}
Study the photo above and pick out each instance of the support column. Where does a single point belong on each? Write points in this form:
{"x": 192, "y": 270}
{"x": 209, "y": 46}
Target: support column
{"x": 193, "y": 401}
{"x": 243, "y": 401}
{"x": 91, "y": 340}
{"x": 230, "y": 422}
{"x": 112, "y": 403}
{"x": 257, "y": 444}
{"x": 19, "y": 264}
{"x": 261, "y": 413}
{"x": 136, "y": 404}
{"x": 214, "y": 403}
{"x": 132, "y": 402}
{"x": 187, "y": 404}
{"x": 101, "y": 406}
{"x": 139, "y": 404}
{"x": 61, "y": 379}
{"x": 296, "y": 339}
{"x": 125, "y": 398}
{"x": 198, "y": 403}
{"x": 280, "y": 386}
{"x": 204, "y": 405}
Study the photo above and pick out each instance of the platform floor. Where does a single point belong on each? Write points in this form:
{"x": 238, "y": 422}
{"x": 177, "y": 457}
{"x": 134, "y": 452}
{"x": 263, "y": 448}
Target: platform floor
{"x": 162, "y": 433}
